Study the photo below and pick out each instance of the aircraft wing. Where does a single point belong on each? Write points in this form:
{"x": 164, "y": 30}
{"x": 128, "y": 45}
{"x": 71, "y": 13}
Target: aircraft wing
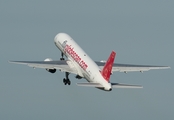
{"x": 131, "y": 68}
{"x": 65, "y": 65}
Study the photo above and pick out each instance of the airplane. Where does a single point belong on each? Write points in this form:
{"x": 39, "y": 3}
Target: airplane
{"x": 79, "y": 63}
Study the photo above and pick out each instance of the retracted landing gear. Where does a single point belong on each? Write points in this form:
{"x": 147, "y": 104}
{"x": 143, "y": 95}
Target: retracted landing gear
{"x": 66, "y": 80}
{"x": 62, "y": 58}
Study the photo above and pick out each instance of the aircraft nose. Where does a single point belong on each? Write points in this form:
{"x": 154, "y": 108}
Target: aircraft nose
{"x": 60, "y": 36}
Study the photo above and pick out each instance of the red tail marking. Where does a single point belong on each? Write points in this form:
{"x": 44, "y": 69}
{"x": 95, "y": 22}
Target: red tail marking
{"x": 106, "y": 72}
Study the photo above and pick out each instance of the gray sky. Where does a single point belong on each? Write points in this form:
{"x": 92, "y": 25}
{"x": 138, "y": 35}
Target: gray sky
{"x": 141, "y": 32}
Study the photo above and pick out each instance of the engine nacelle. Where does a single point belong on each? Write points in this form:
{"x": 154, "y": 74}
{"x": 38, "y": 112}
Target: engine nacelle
{"x": 48, "y": 59}
{"x": 50, "y": 70}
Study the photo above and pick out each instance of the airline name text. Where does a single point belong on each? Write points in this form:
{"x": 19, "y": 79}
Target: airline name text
{"x": 75, "y": 56}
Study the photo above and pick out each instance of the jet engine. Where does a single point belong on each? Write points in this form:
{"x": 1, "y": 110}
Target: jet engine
{"x": 50, "y": 70}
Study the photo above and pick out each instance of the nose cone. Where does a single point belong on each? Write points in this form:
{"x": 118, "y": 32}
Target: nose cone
{"x": 61, "y": 36}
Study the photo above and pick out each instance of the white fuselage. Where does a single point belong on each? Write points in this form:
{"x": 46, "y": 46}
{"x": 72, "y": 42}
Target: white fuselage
{"x": 85, "y": 66}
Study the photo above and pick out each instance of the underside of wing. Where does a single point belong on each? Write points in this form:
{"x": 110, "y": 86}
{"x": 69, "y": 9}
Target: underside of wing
{"x": 131, "y": 68}
{"x": 64, "y": 65}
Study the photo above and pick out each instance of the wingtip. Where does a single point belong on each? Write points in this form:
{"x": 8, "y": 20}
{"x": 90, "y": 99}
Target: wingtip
{"x": 167, "y": 67}
{"x": 9, "y": 61}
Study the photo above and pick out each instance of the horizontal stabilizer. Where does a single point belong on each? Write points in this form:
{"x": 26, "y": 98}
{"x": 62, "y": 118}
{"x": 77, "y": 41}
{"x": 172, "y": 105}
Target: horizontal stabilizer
{"x": 89, "y": 84}
{"x": 114, "y": 85}
{"x": 118, "y": 85}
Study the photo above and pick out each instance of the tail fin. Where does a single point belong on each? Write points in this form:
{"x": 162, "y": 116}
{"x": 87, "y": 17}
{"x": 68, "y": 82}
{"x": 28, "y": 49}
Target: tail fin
{"x": 107, "y": 69}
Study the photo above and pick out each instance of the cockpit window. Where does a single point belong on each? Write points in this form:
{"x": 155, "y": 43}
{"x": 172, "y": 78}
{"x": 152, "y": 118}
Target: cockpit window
{"x": 64, "y": 43}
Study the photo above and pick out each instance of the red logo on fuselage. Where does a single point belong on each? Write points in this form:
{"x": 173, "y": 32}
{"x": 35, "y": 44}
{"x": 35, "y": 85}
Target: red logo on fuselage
{"x": 68, "y": 49}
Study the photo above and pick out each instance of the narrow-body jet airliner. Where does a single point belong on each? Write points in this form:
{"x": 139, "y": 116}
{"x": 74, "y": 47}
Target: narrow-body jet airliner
{"x": 79, "y": 63}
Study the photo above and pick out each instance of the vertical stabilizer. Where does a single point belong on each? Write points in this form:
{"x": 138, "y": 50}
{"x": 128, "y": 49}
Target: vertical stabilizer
{"x": 107, "y": 69}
